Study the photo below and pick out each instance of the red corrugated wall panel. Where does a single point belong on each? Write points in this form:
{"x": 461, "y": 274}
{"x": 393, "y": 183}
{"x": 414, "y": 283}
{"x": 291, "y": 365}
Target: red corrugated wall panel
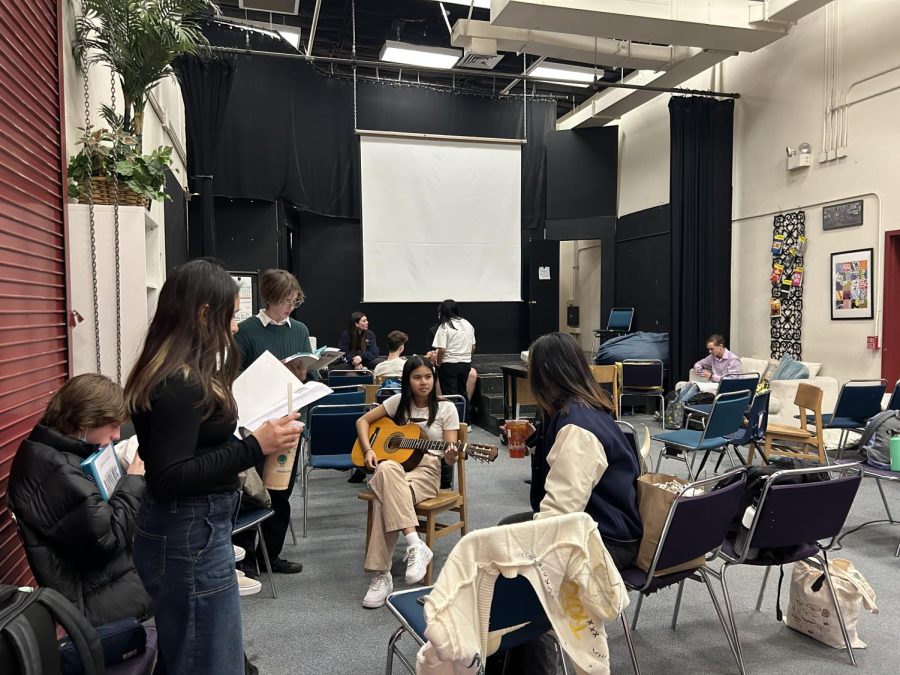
{"x": 33, "y": 332}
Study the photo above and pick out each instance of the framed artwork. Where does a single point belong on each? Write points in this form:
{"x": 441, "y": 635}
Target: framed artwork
{"x": 248, "y": 293}
{"x": 851, "y": 285}
{"x": 848, "y": 214}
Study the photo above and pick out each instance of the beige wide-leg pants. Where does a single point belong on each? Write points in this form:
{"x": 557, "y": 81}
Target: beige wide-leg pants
{"x": 393, "y": 509}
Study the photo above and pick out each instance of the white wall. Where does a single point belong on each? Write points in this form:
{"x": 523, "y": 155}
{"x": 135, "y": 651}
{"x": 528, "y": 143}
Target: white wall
{"x": 782, "y": 104}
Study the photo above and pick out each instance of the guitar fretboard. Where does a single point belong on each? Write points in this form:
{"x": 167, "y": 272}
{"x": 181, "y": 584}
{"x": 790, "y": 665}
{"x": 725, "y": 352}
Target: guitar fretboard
{"x": 424, "y": 445}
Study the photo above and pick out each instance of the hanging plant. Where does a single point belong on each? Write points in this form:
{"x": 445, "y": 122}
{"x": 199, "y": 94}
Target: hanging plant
{"x": 138, "y": 40}
{"x": 110, "y": 169}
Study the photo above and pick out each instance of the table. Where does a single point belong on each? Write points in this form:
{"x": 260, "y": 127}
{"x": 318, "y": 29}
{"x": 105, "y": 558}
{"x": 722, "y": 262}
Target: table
{"x": 515, "y": 381}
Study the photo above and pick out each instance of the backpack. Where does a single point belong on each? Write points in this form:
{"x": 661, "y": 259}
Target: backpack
{"x": 876, "y": 439}
{"x": 28, "y": 644}
{"x": 674, "y": 415}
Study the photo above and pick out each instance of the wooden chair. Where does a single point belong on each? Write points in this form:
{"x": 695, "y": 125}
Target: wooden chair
{"x": 808, "y": 398}
{"x": 608, "y": 375}
{"x": 371, "y": 390}
{"x": 446, "y": 501}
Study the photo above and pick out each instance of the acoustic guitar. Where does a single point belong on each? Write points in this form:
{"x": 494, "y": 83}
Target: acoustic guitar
{"x": 405, "y": 445}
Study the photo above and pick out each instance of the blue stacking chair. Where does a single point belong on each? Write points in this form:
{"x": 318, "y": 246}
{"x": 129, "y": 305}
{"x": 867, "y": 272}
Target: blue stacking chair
{"x": 618, "y": 323}
{"x": 331, "y": 434}
{"x": 460, "y": 402}
{"x": 894, "y": 402}
{"x": 724, "y": 420}
{"x": 695, "y": 526}
{"x": 857, "y": 401}
{"x": 729, "y": 383}
{"x": 752, "y": 433}
{"x": 350, "y": 397}
{"x": 253, "y": 519}
{"x": 792, "y": 519}
{"x": 643, "y": 377}
{"x": 344, "y": 378}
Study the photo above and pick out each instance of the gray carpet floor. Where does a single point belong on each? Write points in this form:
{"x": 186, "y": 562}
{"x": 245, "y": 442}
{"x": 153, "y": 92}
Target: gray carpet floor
{"x": 318, "y": 626}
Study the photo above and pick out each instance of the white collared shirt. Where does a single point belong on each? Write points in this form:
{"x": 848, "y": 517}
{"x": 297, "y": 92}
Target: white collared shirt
{"x": 265, "y": 319}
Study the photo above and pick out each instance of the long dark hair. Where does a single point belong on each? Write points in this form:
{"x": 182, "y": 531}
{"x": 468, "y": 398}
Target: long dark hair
{"x": 191, "y": 333}
{"x": 404, "y": 409}
{"x": 357, "y": 338}
{"x": 447, "y": 311}
{"x": 558, "y": 373}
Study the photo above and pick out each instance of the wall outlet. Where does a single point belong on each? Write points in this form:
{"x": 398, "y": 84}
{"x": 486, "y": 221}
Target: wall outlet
{"x": 832, "y": 155}
{"x": 842, "y": 152}
{"x": 823, "y": 157}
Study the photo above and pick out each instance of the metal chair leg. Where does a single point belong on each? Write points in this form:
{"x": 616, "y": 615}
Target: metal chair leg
{"x": 637, "y": 611}
{"x": 730, "y": 611}
{"x": 305, "y": 497}
{"x": 762, "y": 589}
{"x": 262, "y": 543}
{"x": 630, "y": 643}
{"x": 705, "y": 573}
{"x": 293, "y": 535}
{"x": 840, "y": 614}
{"x": 884, "y": 501}
{"x": 677, "y": 604}
{"x": 392, "y": 642}
{"x": 659, "y": 459}
{"x": 559, "y": 650}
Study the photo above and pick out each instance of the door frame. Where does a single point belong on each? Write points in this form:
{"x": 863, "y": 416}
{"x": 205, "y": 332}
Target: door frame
{"x": 890, "y": 327}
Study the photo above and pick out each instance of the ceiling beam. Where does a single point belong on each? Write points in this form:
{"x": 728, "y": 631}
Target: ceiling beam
{"x": 610, "y": 104}
{"x": 607, "y": 52}
{"x": 312, "y": 29}
{"x": 711, "y": 24}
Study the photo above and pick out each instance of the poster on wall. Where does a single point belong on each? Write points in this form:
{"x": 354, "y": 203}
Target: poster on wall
{"x": 851, "y": 285}
{"x": 246, "y": 282}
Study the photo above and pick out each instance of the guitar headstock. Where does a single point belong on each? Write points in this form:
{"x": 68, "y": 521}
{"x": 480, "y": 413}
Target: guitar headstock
{"x": 483, "y": 453}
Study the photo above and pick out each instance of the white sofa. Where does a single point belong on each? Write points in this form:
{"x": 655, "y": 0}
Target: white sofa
{"x": 781, "y": 401}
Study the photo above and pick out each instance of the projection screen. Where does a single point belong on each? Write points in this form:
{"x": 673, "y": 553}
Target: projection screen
{"x": 440, "y": 219}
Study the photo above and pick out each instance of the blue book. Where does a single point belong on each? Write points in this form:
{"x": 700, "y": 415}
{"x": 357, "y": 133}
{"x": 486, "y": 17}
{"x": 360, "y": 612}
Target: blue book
{"x": 103, "y": 468}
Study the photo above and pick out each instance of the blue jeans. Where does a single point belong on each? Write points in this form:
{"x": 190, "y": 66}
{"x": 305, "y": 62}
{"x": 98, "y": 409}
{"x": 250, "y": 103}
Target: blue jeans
{"x": 183, "y": 554}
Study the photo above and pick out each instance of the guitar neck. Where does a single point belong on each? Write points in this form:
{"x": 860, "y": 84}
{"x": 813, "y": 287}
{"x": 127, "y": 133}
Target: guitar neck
{"x": 423, "y": 444}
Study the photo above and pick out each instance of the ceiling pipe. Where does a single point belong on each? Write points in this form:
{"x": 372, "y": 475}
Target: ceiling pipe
{"x": 312, "y": 28}
{"x": 384, "y": 65}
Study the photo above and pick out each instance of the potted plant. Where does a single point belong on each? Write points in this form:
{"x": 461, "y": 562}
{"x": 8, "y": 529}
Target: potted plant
{"x": 111, "y": 169}
{"x": 138, "y": 40}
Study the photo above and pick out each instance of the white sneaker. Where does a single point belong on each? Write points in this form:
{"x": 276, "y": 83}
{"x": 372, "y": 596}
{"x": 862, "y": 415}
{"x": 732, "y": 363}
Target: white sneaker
{"x": 239, "y": 553}
{"x": 382, "y": 586}
{"x": 417, "y": 558}
{"x": 246, "y": 585}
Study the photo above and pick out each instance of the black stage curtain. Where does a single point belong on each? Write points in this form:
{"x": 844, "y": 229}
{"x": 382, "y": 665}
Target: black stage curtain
{"x": 290, "y": 130}
{"x": 206, "y": 87}
{"x": 700, "y": 194}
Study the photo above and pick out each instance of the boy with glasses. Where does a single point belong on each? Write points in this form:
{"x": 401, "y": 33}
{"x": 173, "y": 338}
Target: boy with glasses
{"x": 274, "y": 330}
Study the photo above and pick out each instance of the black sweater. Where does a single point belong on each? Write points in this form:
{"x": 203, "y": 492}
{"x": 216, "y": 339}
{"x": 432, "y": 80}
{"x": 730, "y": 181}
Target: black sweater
{"x": 184, "y": 454}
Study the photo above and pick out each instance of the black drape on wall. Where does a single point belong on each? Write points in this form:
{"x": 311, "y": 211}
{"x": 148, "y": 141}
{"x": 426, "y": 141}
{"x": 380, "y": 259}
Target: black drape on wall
{"x": 206, "y": 87}
{"x": 289, "y": 130}
{"x": 700, "y": 195}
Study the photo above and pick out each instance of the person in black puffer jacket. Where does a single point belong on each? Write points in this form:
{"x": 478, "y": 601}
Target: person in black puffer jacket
{"x": 76, "y": 542}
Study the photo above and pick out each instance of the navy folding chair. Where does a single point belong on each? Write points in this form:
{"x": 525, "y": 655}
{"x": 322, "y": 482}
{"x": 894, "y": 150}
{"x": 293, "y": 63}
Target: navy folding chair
{"x": 514, "y": 603}
{"x": 857, "y": 401}
{"x": 791, "y": 519}
{"x": 869, "y": 471}
{"x": 643, "y": 378}
{"x": 342, "y": 378}
{"x": 695, "y": 526}
{"x": 253, "y": 519}
{"x": 460, "y": 402}
{"x": 752, "y": 433}
{"x": 894, "y": 402}
{"x": 728, "y": 384}
{"x": 348, "y": 397}
{"x": 331, "y": 434}
{"x": 724, "y": 421}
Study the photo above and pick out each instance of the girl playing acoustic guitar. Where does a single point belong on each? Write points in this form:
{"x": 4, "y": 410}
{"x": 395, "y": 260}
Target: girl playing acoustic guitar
{"x": 397, "y": 491}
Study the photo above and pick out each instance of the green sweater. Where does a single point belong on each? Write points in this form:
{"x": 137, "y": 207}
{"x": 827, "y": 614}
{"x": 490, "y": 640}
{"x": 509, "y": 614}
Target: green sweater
{"x": 283, "y": 341}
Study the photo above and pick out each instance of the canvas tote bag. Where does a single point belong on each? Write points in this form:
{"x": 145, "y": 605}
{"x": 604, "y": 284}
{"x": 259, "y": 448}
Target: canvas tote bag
{"x": 811, "y": 611}
{"x": 654, "y": 503}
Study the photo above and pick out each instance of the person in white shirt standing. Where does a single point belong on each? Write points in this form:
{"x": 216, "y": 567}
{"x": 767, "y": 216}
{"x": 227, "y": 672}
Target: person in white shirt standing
{"x": 454, "y": 342}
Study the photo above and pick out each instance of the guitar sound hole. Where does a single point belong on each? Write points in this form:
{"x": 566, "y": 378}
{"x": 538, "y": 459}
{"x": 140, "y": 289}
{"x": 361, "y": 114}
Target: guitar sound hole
{"x": 393, "y": 442}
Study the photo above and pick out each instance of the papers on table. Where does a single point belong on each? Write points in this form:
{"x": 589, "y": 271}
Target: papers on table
{"x": 261, "y": 392}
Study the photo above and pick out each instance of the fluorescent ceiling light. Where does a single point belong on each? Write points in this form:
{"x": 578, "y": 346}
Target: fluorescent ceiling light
{"x": 418, "y": 55}
{"x": 561, "y": 73}
{"x": 480, "y": 4}
{"x": 291, "y": 37}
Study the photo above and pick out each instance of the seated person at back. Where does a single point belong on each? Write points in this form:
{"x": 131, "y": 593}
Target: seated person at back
{"x": 719, "y": 362}
{"x": 392, "y": 367}
{"x": 76, "y": 542}
{"x": 359, "y": 345}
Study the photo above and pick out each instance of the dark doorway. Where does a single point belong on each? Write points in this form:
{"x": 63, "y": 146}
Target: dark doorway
{"x": 890, "y": 350}
{"x": 543, "y": 293}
